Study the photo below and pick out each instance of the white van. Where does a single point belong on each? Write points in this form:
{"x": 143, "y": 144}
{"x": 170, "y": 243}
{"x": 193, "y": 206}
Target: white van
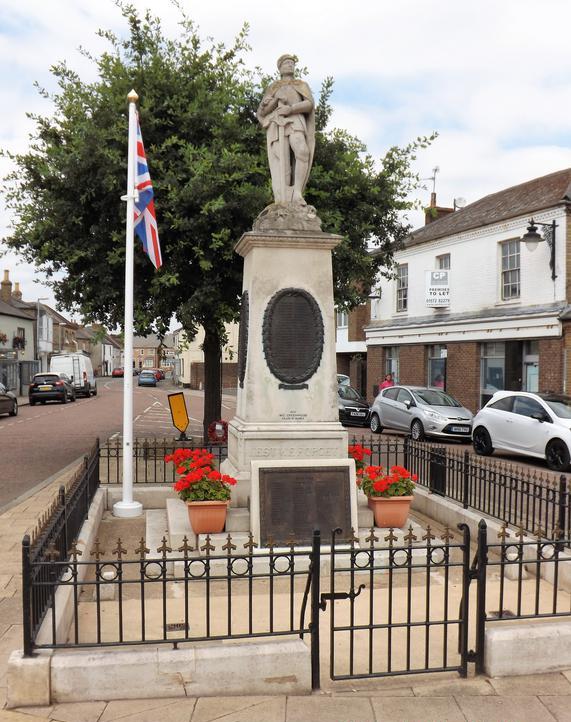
{"x": 79, "y": 369}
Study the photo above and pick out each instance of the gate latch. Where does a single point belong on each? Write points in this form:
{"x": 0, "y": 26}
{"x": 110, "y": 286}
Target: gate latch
{"x": 339, "y": 595}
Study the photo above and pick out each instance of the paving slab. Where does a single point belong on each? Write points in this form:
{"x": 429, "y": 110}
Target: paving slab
{"x": 540, "y": 684}
{"x": 241, "y": 709}
{"x": 78, "y": 711}
{"x": 449, "y": 688}
{"x": 119, "y": 709}
{"x": 425, "y": 709}
{"x": 503, "y": 709}
{"x": 179, "y": 711}
{"x": 329, "y": 709}
{"x": 394, "y": 692}
{"x": 12, "y": 716}
{"x": 11, "y": 610}
{"x": 559, "y": 707}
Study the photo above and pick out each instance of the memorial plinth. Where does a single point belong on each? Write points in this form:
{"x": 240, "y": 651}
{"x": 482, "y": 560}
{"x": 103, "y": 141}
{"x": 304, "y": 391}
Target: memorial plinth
{"x": 287, "y": 394}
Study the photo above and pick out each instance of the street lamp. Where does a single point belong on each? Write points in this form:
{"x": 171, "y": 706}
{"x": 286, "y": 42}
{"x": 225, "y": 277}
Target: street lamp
{"x": 532, "y": 238}
{"x": 44, "y": 298}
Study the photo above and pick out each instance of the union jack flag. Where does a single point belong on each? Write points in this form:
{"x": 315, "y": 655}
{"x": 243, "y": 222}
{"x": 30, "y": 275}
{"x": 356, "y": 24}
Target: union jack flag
{"x": 145, "y": 217}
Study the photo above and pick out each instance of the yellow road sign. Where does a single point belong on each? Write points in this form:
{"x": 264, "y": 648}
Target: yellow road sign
{"x": 179, "y": 413}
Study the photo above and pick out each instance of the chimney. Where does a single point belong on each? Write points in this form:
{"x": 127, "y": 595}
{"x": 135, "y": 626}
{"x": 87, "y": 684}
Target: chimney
{"x": 17, "y": 294}
{"x": 434, "y": 212}
{"x": 6, "y": 288}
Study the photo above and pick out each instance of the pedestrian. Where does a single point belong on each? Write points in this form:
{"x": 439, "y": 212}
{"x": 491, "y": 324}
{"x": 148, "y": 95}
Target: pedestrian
{"x": 387, "y": 382}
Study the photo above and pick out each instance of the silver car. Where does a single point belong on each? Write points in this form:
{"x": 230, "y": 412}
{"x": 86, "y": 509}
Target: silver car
{"x": 422, "y": 411}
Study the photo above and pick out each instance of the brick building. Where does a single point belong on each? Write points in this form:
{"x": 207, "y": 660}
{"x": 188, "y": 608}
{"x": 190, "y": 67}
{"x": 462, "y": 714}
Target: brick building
{"x": 473, "y": 307}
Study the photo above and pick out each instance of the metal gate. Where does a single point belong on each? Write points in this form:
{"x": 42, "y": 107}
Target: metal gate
{"x": 399, "y": 604}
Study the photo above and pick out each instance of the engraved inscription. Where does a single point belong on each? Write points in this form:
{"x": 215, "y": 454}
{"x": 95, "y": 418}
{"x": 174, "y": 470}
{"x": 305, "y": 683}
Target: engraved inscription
{"x": 293, "y": 452}
{"x": 292, "y": 335}
{"x": 296, "y": 501}
{"x": 293, "y": 416}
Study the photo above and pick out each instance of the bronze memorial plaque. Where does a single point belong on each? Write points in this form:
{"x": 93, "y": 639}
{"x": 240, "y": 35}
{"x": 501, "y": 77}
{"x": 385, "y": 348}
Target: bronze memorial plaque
{"x": 296, "y": 500}
{"x": 292, "y": 335}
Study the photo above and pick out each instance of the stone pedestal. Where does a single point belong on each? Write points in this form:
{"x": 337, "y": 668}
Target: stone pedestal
{"x": 278, "y": 417}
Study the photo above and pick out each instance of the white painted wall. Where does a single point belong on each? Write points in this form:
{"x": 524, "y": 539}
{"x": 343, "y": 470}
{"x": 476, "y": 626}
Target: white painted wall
{"x": 475, "y": 265}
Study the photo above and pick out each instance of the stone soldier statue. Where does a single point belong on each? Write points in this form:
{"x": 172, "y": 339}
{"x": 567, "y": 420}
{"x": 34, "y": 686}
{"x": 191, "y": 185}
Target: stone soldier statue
{"x": 287, "y": 113}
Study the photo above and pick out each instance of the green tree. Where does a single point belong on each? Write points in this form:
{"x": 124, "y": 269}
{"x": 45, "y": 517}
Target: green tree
{"x": 207, "y": 160}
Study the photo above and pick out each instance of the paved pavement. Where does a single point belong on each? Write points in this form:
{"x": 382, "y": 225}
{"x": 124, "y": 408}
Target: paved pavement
{"x": 422, "y": 698}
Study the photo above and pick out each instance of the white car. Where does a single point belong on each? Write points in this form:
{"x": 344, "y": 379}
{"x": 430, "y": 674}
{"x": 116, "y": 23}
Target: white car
{"x": 537, "y": 425}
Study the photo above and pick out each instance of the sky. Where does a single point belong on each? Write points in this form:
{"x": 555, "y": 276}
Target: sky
{"x": 493, "y": 78}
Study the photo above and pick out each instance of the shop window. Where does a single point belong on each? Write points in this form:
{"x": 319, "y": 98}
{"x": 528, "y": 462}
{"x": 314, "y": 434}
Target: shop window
{"x": 392, "y": 362}
{"x": 510, "y": 278}
{"x": 402, "y": 287}
{"x": 437, "y": 366}
{"x": 493, "y": 370}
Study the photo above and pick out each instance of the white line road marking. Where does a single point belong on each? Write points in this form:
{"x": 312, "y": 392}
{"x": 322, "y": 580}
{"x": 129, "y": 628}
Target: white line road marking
{"x": 137, "y": 417}
{"x": 115, "y": 435}
{"x": 147, "y": 409}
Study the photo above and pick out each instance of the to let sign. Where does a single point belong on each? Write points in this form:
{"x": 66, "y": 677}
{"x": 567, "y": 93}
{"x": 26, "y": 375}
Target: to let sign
{"x": 438, "y": 288}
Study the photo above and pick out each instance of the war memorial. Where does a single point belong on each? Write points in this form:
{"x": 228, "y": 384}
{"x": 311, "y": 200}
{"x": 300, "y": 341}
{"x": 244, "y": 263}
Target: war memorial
{"x": 141, "y": 608}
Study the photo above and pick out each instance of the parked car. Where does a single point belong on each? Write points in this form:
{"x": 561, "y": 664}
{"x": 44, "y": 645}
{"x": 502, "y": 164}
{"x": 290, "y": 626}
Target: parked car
{"x": 8, "y": 402}
{"x": 78, "y": 368}
{"x": 343, "y": 379}
{"x": 158, "y": 374}
{"x": 536, "y": 425}
{"x": 353, "y": 409}
{"x": 118, "y": 372}
{"x": 422, "y": 411}
{"x": 51, "y": 387}
{"x": 147, "y": 378}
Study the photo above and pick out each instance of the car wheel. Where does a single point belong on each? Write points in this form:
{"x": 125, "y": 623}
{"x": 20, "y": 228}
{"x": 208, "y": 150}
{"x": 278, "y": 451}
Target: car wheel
{"x": 64, "y": 399}
{"x": 14, "y": 411}
{"x": 375, "y": 424}
{"x": 417, "y": 430}
{"x": 557, "y": 455}
{"x": 95, "y": 390}
{"x": 43, "y": 403}
{"x": 482, "y": 442}
{"x": 32, "y": 403}
{"x": 73, "y": 396}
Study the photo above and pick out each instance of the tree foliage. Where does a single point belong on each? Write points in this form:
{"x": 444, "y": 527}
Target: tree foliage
{"x": 207, "y": 161}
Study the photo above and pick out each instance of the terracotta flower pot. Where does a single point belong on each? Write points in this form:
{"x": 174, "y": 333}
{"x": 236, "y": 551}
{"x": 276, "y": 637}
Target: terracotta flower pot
{"x": 390, "y": 511}
{"x": 207, "y": 517}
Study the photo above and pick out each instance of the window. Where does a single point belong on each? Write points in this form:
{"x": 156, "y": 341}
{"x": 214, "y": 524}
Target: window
{"x": 402, "y": 287}
{"x": 21, "y": 333}
{"x": 391, "y": 393}
{"x": 404, "y": 396}
{"x": 492, "y": 370}
{"x": 342, "y": 319}
{"x": 443, "y": 262}
{"x": 437, "y": 366}
{"x": 149, "y": 362}
{"x": 392, "y": 362}
{"x": 524, "y": 406}
{"x": 510, "y": 278}
{"x": 504, "y": 404}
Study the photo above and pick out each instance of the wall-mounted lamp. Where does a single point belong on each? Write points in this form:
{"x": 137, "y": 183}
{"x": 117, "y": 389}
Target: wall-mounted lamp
{"x": 532, "y": 238}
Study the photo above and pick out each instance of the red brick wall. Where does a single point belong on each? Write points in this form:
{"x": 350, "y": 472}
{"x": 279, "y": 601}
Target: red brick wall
{"x": 412, "y": 365}
{"x": 551, "y": 352}
{"x": 343, "y": 363}
{"x": 229, "y": 375}
{"x": 375, "y": 369}
{"x": 358, "y": 318}
{"x": 463, "y": 373}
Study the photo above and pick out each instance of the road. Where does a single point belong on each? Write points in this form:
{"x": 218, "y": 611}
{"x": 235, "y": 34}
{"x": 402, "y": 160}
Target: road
{"x": 44, "y": 439}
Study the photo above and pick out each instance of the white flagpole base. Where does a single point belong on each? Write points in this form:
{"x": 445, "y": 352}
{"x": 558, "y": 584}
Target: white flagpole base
{"x": 127, "y": 509}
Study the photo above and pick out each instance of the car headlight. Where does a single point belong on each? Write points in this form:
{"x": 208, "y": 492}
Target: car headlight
{"x": 435, "y": 415}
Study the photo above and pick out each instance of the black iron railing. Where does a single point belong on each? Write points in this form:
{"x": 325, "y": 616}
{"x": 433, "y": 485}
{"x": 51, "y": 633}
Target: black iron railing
{"x": 149, "y": 465}
{"x": 137, "y": 596}
{"x": 513, "y": 494}
{"x": 56, "y": 533}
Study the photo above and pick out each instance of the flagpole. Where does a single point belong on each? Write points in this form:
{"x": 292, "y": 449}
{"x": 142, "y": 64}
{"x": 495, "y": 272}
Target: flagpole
{"x": 128, "y": 508}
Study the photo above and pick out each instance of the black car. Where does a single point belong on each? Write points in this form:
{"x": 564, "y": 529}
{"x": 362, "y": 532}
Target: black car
{"x": 51, "y": 387}
{"x": 8, "y": 402}
{"x": 353, "y": 409}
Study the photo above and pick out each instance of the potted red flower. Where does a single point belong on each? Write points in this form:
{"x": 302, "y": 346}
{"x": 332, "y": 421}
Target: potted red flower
{"x": 358, "y": 452}
{"x": 389, "y": 494}
{"x": 204, "y": 489}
